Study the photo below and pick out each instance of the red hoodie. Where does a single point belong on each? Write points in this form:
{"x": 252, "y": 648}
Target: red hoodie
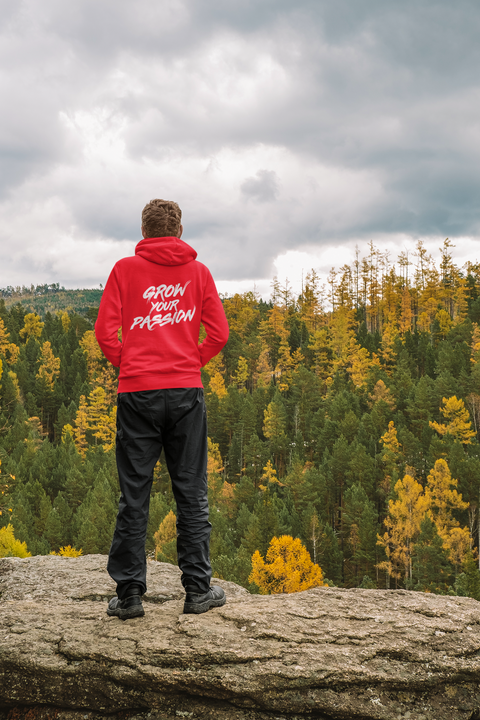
{"x": 159, "y": 298}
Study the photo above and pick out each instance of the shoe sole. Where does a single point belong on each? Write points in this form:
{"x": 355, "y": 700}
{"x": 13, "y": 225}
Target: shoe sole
{"x": 127, "y": 613}
{"x": 198, "y": 608}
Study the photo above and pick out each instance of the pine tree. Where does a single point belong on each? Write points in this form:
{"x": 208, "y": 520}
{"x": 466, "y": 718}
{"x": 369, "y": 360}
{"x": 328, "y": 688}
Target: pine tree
{"x": 432, "y": 571}
{"x": 469, "y": 579}
{"x": 360, "y": 520}
{"x": 274, "y": 428}
{"x": 58, "y": 524}
{"x": 88, "y": 538}
{"x": 76, "y": 487}
{"x": 263, "y": 525}
{"x": 310, "y": 302}
{"x": 392, "y": 456}
{"x": 96, "y": 516}
{"x": 330, "y": 556}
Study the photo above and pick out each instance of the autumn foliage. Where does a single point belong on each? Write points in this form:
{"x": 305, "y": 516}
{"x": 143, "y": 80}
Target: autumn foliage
{"x": 10, "y": 546}
{"x": 68, "y": 551}
{"x": 344, "y": 416}
{"x": 288, "y": 568}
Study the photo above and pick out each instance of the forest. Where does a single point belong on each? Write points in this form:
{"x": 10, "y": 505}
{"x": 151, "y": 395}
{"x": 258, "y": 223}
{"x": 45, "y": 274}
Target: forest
{"x": 51, "y": 298}
{"x": 344, "y": 420}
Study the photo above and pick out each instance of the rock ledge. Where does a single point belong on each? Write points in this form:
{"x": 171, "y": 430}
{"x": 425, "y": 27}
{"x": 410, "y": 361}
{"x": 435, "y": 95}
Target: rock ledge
{"x": 325, "y": 653}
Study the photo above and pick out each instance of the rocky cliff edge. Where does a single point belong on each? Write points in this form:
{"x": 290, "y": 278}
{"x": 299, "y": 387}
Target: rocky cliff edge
{"x": 326, "y": 653}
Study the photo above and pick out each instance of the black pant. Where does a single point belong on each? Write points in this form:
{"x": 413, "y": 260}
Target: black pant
{"x": 147, "y": 420}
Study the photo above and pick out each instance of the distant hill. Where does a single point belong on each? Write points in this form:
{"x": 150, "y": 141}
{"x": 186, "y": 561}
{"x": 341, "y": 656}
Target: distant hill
{"x": 51, "y": 298}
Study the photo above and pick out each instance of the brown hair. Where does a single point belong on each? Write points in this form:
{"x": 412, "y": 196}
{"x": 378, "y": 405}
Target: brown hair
{"x": 161, "y": 218}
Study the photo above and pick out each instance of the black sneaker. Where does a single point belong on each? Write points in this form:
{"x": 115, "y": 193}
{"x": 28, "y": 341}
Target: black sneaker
{"x": 130, "y": 607}
{"x": 194, "y": 603}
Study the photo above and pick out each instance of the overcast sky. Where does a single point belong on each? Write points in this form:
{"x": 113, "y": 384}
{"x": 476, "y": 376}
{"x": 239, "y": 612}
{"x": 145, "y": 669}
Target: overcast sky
{"x": 287, "y": 130}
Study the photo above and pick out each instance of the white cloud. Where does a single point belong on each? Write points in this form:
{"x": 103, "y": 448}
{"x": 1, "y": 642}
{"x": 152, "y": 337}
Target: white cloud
{"x": 287, "y": 132}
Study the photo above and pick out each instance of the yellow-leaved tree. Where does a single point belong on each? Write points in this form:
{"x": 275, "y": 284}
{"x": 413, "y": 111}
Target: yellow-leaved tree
{"x": 92, "y": 351}
{"x": 65, "y": 320}
{"x": 241, "y": 376}
{"x": 360, "y": 363}
{"x": 98, "y": 375}
{"x": 320, "y": 345}
{"x": 93, "y": 421}
{"x": 166, "y": 540}
{"x": 10, "y": 546}
{"x": 287, "y": 364}
{"x": 101, "y": 421}
{"x": 274, "y": 428}
{"x": 49, "y": 368}
{"x": 214, "y": 473}
{"x": 405, "y": 515}
{"x": 310, "y": 302}
{"x": 9, "y": 350}
{"x": 288, "y": 567}
{"x": 389, "y": 336}
{"x": 457, "y": 421}
{"x": 392, "y": 456}
{"x": 68, "y": 551}
{"x": 443, "y": 498}
{"x": 81, "y": 426}
{"x": 216, "y": 371}
{"x": 269, "y": 476}
{"x": 32, "y": 327}
{"x": 242, "y": 312}
{"x": 262, "y": 376}
{"x": 4, "y": 485}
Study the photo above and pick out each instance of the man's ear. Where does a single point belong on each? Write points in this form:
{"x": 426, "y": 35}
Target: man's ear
{"x": 180, "y": 231}
{"x": 143, "y": 233}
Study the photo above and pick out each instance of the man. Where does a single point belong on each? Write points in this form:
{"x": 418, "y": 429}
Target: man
{"x": 158, "y": 298}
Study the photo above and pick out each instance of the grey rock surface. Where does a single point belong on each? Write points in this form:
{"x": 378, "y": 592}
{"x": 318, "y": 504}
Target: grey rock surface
{"x": 324, "y": 653}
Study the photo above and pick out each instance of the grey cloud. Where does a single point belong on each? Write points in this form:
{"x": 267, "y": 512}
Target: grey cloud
{"x": 261, "y": 188}
{"x": 386, "y": 89}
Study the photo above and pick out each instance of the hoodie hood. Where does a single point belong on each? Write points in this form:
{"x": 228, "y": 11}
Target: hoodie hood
{"x": 165, "y": 251}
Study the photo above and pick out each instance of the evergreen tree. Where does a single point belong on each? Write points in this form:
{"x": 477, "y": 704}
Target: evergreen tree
{"x": 330, "y": 556}
{"x": 467, "y": 584}
{"x": 360, "y": 530}
{"x": 432, "y": 571}
{"x": 95, "y": 518}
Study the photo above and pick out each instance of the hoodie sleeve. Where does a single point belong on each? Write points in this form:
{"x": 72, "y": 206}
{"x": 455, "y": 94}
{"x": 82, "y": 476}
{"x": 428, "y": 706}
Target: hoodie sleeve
{"x": 214, "y": 322}
{"x": 109, "y": 320}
